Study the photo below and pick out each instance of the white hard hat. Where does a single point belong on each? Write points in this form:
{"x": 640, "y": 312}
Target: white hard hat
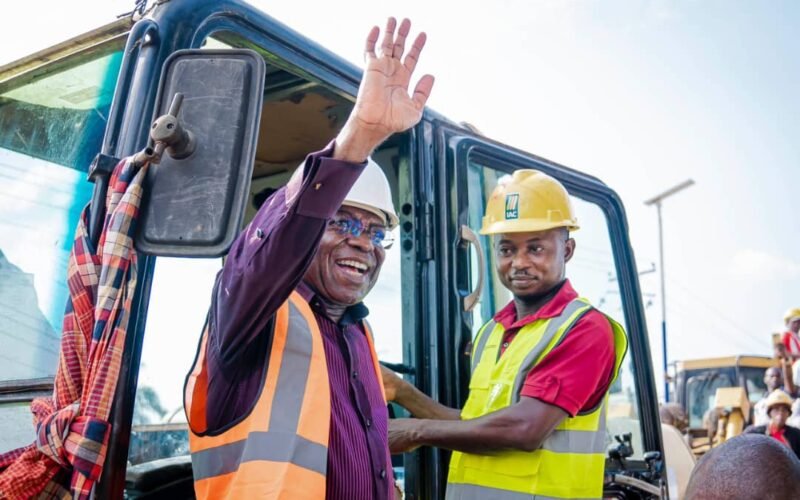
{"x": 371, "y": 192}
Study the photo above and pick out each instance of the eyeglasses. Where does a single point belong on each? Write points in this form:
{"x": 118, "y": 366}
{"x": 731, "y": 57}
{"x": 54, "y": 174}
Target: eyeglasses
{"x": 348, "y": 226}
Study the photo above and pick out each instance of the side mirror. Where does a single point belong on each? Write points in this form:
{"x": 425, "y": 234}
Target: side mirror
{"x": 194, "y": 202}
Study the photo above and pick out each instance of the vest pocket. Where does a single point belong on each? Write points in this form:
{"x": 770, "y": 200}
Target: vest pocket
{"x": 513, "y": 470}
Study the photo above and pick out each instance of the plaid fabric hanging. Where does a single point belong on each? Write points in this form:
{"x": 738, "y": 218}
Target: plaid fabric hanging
{"x": 72, "y": 427}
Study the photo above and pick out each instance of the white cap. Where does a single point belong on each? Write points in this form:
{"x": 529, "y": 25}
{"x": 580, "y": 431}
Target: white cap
{"x": 371, "y": 192}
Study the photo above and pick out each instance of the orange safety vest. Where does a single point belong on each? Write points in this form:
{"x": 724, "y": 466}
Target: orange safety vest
{"x": 280, "y": 448}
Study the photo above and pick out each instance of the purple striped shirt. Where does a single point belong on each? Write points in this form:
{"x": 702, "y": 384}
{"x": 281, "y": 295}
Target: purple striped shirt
{"x": 359, "y": 464}
{"x": 265, "y": 264}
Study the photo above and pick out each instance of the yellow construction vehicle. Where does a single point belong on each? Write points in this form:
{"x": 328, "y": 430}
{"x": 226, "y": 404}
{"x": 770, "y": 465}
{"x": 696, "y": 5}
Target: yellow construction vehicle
{"x": 729, "y": 385}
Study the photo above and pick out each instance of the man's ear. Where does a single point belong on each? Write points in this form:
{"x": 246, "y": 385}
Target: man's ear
{"x": 569, "y": 249}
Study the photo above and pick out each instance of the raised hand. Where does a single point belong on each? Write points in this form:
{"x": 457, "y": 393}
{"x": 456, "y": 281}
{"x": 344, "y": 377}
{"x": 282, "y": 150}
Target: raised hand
{"x": 384, "y": 105}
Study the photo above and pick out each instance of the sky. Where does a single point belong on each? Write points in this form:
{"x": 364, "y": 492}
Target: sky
{"x": 642, "y": 94}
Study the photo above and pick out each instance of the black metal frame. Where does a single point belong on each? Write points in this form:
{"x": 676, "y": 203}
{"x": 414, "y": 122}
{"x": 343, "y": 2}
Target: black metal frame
{"x": 24, "y": 391}
{"x": 454, "y": 147}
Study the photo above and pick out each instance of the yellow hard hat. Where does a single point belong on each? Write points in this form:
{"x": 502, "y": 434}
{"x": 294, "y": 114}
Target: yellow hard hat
{"x": 778, "y": 397}
{"x": 526, "y": 201}
{"x": 791, "y": 314}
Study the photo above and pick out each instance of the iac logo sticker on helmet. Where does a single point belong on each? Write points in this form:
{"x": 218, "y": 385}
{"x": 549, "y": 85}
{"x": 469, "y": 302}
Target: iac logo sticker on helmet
{"x": 512, "y": 206}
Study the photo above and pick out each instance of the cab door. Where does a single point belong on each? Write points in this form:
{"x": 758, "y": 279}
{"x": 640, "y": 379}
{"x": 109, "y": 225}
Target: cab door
{"x": 602, "y": 270}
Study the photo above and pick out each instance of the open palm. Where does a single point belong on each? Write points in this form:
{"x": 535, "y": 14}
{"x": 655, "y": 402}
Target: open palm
{"x": 384, "y": 105}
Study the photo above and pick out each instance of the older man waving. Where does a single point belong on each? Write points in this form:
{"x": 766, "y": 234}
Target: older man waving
{"x": 285, "y": 399}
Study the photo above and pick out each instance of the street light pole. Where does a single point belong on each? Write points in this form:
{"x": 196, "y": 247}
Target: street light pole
{"x": 663, "y": 300}
{"x": 656, "y": 200}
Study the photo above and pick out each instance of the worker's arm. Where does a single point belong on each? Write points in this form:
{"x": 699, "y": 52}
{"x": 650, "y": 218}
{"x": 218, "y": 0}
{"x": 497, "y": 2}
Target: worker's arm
{"x": 573, "y": 377}
{"x": 785, "y": 349}
{"x": 522, "y": 426}
{"x": 415, "y": 401}
{"x": 270, "y": 257}
{"x": 788, "y": 376}
{"x": 785, "y": 360}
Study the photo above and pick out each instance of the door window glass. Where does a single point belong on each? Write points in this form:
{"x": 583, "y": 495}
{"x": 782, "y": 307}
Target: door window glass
{"x": 591, "y": 272}
{"x": 754, "y": 383}
{"x": 50, "y": 129}
{"x": 17, "y": 426}
{"x": 701, "y": 390}
{"x": 179, "y": 301}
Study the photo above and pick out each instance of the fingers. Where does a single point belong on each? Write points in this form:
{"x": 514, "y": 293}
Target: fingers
{"x": 410, "y": 62}
{"x": 388, "y": 37}
{"x": 423, "y": 91}
{"x": 372, "y": 39}
{"x": 400, "y": 41}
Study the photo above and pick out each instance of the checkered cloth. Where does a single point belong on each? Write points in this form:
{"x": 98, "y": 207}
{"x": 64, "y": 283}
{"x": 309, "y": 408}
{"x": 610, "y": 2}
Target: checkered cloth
{"x": 72, "y": 426}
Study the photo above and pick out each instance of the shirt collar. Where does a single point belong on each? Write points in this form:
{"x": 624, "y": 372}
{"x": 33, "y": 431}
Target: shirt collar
{"x": 565, "y": 294}
{"x": 353, "y": 314}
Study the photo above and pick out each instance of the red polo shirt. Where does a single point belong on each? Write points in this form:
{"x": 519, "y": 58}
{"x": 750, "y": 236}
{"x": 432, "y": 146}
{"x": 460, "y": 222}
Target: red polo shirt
{"x": 575, "y": 375}
{"x": 778, "y": 434}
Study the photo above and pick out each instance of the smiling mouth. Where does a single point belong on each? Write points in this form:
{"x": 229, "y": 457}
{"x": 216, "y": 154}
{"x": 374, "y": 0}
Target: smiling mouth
{"x": 353, "y": 266}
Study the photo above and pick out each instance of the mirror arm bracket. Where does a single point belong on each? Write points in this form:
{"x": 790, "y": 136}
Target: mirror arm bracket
{"x": 167, "y": 133}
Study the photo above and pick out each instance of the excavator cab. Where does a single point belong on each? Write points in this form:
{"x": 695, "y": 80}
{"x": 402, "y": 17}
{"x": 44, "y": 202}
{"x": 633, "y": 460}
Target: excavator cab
{"x": 100, "y": 94}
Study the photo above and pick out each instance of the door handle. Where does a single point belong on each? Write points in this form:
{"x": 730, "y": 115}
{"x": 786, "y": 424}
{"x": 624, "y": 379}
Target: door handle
{"x": 471, "y": 300}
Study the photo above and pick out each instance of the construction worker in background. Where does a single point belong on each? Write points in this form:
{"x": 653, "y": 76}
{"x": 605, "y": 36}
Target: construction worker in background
{"x": 775, "y": 378}
{"x": 534, "y": 421}
{"x": 285, "y": 399}
{"x": 779, "y": 408}
{"x": 791, "y": 337}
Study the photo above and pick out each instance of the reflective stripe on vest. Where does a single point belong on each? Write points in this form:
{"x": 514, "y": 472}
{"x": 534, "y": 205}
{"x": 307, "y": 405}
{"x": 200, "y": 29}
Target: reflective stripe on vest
{"x": 570, "y": 462}
{"x": 293, "y": 374}
{"x": 560, "y": 324}
{"x": 280, "y": 448}
{"x": 471, "y": 492}
{"x": 483, "y": 336}
{"x": 272, "y": 446}
{"x": 579, "y": 441}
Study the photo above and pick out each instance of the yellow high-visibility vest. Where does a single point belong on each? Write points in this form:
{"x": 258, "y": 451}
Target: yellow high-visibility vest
{"x": 570, "y": 463}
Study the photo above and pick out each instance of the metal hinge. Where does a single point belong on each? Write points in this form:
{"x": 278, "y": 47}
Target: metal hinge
{"x": 102, "y": 165}
{"x": 426, "y": 241}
